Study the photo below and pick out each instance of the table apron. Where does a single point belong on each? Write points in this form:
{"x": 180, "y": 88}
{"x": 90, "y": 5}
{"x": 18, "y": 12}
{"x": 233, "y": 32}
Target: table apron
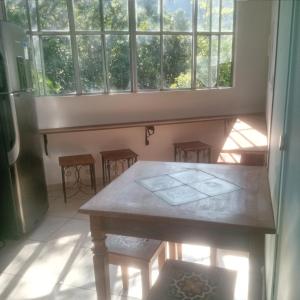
{"x": 225, "y": 238}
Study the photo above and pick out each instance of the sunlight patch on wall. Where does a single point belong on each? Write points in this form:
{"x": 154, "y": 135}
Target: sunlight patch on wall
{"x": 243, "y": 138}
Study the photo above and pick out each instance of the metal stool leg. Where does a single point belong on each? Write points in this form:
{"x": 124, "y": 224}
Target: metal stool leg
{"x": 185, "y": 156}
{"x": 93, "y": 177}
{"x": 209, "y": 155}
{"x": 103, "y": 172}
{"x": 108, "y": 171}
{"x": 64, "y": 183}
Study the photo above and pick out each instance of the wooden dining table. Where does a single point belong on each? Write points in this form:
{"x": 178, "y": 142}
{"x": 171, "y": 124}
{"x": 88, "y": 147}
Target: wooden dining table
{"x": 223, "y": 206}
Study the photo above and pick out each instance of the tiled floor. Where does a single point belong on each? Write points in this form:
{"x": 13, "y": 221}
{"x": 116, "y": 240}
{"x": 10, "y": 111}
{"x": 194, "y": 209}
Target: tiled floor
{"x": 55, "y": 261}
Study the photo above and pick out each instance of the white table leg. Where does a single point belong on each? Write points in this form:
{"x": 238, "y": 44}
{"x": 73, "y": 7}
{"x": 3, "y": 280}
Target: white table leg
{"x": 256, "y": 263}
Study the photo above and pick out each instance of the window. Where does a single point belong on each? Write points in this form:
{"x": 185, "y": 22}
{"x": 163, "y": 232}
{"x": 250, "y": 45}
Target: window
{"x": 111, "y": 46}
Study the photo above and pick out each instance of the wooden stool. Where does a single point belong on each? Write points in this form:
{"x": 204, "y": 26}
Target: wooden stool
{"x": 202, "y": 150}
{"x": 247, "y": 157}
{"x": 115, "y": 156}
{"x": 185, "y": 280}
{"x": 135, "y": 252}
{"x": 76, "y": 161}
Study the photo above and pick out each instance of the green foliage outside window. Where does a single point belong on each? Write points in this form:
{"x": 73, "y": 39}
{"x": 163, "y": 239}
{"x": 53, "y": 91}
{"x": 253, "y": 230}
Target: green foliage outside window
{"x": 160, "y": 54}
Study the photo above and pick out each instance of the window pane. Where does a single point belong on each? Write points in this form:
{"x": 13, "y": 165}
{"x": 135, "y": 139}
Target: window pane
{"x": 53, "y": 15}
{"x": 148, "y": 61}
{"x": 58, "y": 65}
{"x": 38, "y": 70}
{"x": 177, "y": 15}
{"x": 202, "y": 73}
{"x": 204, "y": 15}
{"x": 148, "y": 15}
{"x": 90, "y": 62}
{"x": 215, "y": 17}
{"x": 115, "y": 15}
{"x": 177, "y": 61}
{"x": 227, "y": 15}
{"x": 117, "y": 53}
{"x": 16, "y": 12}
{"x": 214, "y": 60}
{"x": 225, "y": 76}
{"x": 87, "y": 14}
{"x": 32, "y": 14}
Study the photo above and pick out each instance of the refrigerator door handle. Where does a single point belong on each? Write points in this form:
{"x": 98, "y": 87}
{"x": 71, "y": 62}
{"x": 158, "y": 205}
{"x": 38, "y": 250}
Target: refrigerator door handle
{"x": 14, "y": 152}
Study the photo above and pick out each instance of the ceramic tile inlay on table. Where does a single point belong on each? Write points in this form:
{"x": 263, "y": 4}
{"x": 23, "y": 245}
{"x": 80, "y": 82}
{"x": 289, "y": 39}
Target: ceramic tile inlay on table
{"x": 187, "y": 186}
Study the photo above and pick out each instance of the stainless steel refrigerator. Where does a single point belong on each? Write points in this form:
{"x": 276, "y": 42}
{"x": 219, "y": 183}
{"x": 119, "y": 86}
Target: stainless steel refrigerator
{"x": 23, "y": 194}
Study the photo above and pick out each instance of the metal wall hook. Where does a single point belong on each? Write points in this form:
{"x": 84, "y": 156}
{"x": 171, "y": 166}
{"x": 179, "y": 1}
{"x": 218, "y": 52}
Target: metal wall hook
{"x": 149, "y": 130}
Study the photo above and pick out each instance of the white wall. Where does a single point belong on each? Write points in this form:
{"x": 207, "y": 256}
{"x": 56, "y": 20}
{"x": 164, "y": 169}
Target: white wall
{"x": 160, "y": 148}
{"x": 247, "y": 96}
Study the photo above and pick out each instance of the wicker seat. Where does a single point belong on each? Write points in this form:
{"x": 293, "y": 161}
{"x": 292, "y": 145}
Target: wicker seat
{"x": 135, "y": 252}
{"x": 180, "y": 280}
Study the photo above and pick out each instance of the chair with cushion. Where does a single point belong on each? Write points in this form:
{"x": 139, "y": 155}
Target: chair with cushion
{"x": 180, "y": 280}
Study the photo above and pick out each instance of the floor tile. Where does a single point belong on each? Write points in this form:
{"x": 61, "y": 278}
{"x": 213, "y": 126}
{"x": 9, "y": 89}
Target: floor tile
{"x": 58, "y": 208}
{"x": 65, "y": 292}
{"x": 17, "y": 258}
{"x": 47, "y": 227}
{"x": 81, "y": 273}
{"x": 46, "y": 266}
{"x": 74, "y": 231}
{"x": 6, "y": 284}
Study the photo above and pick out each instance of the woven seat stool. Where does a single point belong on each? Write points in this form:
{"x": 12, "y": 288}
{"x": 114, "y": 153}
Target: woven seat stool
{"x": 112, "y": 157}
{"x": 138, "y": 253}
{"x": 202, "y": 151}
{"x": 180, "y": 280}
{"x": 76, "y": 162}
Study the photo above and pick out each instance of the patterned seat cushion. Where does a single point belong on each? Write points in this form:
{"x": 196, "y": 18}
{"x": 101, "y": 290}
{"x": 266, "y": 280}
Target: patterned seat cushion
{"x": 180, "y": 280}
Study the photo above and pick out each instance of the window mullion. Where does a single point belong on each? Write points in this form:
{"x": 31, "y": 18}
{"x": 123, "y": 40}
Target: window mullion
{"x": 3, "y": 10}
{"x": 161, "y": 46}
{"x": 74, "y": 47}
{"x": 27, "y": 15}
{"x": 133, "y": 51}
{"x": 210, "y": 48}
{"x": 31, "y": 41}
{"x": 194, "y": 50}
{"x": 233, "y": 41}
{"x": 103, "y": 41}
{"x": 219, "y": 43}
